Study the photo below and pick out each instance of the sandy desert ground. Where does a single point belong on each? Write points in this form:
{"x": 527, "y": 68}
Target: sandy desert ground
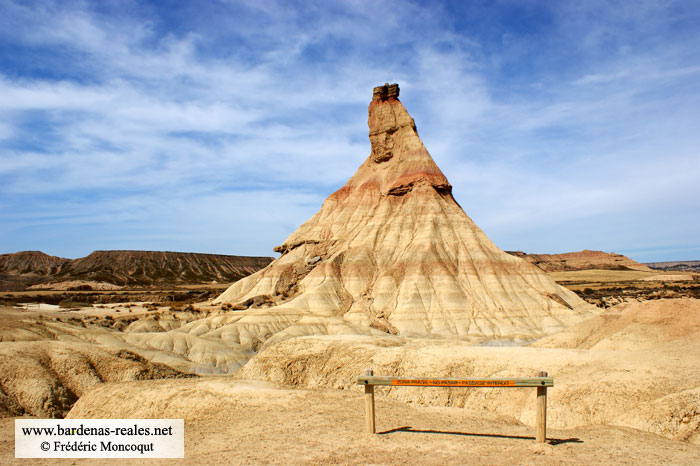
{"x": 627, "y": 389}
{"x": 231, "y": 421}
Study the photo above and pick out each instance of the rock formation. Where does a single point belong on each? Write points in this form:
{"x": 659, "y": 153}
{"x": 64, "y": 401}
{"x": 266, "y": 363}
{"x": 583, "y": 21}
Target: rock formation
{"x": 161, "y": 267}
{"x": 31, "y": 263}
{"x": 392, "y": 250}
{"x": 582, "y": 260}
{"x": 679, "y": 266}
{"x": 634, "y": 366}
{"x": 22, "y": 270}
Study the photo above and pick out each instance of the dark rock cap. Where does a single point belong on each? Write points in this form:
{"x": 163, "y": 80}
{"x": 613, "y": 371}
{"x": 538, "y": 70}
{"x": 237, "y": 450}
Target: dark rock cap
{"x": 387, "y": 91}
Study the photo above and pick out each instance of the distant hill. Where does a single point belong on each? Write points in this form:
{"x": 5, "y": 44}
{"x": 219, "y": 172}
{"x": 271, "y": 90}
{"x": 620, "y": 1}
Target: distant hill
{"x": 126, "y": 268}
{"x": 582, "y": 260}
{"x": 679, "y": 266}
{"x": 31, "y": 262}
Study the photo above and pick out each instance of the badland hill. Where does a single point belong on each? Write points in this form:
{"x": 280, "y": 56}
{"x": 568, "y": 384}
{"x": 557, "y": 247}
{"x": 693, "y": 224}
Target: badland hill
{"x": 393, "y": 251}
{"x": 125, "y": 268}
{"x": 678, "y": 266}
{"x": 581, "y": 260}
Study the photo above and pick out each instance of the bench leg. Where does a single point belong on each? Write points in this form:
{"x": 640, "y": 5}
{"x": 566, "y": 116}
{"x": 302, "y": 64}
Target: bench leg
{"x": 369, "y": 405}
{"x": 541, "y": 434}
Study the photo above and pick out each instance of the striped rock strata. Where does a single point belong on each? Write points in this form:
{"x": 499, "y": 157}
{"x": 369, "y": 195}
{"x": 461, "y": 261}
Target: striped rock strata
{"x": 393, "y": 252}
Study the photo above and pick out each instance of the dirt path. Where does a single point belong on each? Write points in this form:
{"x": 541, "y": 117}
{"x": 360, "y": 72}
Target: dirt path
{"x": 241, "y": 422}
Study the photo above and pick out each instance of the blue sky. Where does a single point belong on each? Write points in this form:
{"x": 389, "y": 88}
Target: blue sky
{"x": 221, "y": 126}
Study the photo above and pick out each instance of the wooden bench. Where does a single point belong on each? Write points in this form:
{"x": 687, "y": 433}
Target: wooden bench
{"x": 541, "y": 382}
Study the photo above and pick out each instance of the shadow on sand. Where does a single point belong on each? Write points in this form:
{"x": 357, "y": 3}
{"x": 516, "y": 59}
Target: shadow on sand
{"x": 551, "y": 441}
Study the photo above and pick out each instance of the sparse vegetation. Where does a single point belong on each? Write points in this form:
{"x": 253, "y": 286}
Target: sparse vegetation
{"x": 600, "y": 290}
{"x": 100, "y": 298}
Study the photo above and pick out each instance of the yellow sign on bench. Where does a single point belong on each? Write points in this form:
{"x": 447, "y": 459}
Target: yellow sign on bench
{"x": 453, "y": 383}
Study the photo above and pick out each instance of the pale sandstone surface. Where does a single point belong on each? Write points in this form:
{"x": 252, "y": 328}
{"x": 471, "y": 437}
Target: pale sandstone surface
{"x": 642, "y": 371}
{"x": 392, "y": 250}
{"x": 75, "y": 284}
{"x": 231, "y": 421}
{"x": 154, "y": 336}
{"x": 49, "y": 359}
{"x": 45, "y": 378}
{"x": 648, "y": 383}
{"x": 665, "y": 324}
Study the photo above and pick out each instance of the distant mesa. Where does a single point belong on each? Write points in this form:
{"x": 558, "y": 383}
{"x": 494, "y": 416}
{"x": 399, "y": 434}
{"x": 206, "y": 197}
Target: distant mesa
{"x": 393, "y": 252}
{"x": 124, "y": 268}
{"x": 677, "y": 266}
{"x": 582, "y": 260}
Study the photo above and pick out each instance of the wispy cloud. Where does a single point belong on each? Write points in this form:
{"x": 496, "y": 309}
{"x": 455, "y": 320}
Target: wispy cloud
{"x": 222, "y": 126}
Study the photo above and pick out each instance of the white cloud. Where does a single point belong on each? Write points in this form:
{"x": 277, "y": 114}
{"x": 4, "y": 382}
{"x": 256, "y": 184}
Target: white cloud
{"x": 168, "y": 119}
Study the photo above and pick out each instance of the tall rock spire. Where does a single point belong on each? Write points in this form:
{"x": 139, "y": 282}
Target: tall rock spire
{"x": 393, "y": 251}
